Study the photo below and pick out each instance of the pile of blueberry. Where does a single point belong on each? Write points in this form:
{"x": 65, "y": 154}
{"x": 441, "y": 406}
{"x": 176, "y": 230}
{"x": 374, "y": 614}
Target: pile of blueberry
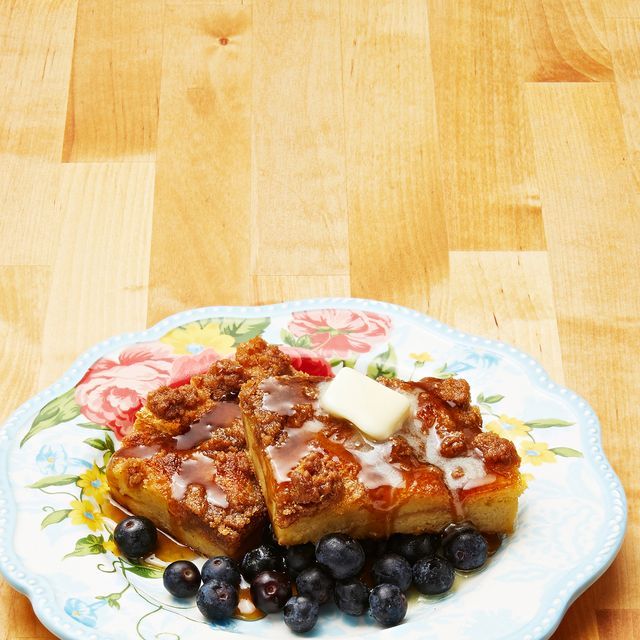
{"x": 330, "y": 570}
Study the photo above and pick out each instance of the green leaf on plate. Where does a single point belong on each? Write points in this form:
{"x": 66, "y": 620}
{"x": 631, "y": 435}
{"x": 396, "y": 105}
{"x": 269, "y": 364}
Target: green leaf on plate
{"x": 566, "y": 452}
{"x": 109, "y": 442}
{"x": 61, "y": 409}
{"x": 144, "y": 571}
{"x": 96, "y": 443}
{"x": 112, "y": 599}
{"x": 443, "y": 373}
{"x": 93, "y": 425}
{"x": 53, "y": 481}
{"x": 88, "y": 546}
{"x": 493, "y": 399}
{"x": 293, "y": 341}
{"x": 54, "y": 517}
{"x": 106, "y": 457}
{"x": 384, "y": 364}
{"x": 243, "y": 329}
{"x": 546, "y": 423}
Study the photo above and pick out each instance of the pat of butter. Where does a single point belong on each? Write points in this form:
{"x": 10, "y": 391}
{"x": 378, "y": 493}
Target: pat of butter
{"x": 375, "y": 409}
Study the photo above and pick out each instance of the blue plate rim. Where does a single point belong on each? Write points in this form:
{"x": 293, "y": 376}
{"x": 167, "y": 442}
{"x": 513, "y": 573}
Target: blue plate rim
{"x": 40, "y": 592}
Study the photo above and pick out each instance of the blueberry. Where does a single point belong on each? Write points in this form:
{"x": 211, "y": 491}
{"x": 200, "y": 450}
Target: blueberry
{"x": 263, "y": 558}
{"x": 413, "y": 547}
{"x": 270, "y": 590}
{"x": 269, "y": 539}
{"x": 316, "y": 584}
{"x": 300, "y": 557}
{"x": 217, "y": 600}
{"x": 223, "y": 569}
{"x": 136, "y": 536}
{"x": 433, "y": 575}
{"x": 392, "y": 569}
{"x": 388, "y": 605}
{"x": 181, "y": 579}
{"x": 352, "y": 596}
{"x": 341, "y": 555}
{"x": 455, "y": 528}
{"x": 466, "y": 551}
{"x": 301, "y": 614}
{"x": 373, "y": 547}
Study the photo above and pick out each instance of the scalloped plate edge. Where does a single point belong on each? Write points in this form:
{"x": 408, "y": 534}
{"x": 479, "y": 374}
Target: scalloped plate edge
{"x": 40, "y": 592}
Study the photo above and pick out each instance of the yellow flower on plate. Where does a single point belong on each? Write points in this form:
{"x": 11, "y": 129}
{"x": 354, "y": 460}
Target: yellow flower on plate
{"x": 86, "y": 513}
{"x": 507, "y": 427}
{"x": 421, "y": 357}
{"x": 94, "y": 483}
{"x": 111, "y": 546}
{"x": 193, "y": 338}
{"x": 536, "y": 453}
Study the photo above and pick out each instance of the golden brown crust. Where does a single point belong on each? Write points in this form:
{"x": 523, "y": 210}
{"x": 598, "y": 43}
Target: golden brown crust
{"x": 181, "y": 404}
{"x": 223, "y": 380}
{"x": 314, "y": 467}
{"x": 261, "y": 360}
{"x": 152, "y": 478}
{"x": 497, "y": 452}
{"x": 214, "y": 503}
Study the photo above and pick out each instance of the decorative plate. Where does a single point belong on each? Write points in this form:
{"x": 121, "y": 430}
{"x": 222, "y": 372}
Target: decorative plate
{"x": 56, "y": 542}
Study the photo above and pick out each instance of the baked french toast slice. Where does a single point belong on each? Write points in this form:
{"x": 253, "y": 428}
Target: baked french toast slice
{"x": 319, "y": 474}
{"x": 185, "y": 464}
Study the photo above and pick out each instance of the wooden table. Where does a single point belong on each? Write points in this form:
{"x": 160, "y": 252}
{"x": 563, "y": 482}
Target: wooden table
{"x": 478, "y": 160}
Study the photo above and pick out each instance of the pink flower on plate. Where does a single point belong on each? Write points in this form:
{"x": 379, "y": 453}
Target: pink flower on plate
{"x": 307, "y": 360}
{"x": 112, "y": 391}
{"x": 338, "y": 332}
{"x": 185, "y": 367}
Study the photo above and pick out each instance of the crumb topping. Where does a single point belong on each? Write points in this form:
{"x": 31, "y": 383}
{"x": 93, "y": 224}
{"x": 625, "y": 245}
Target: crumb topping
{"x": 498, "y": 453}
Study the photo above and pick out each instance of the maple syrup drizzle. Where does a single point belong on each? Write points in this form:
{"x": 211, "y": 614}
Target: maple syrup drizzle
{"x": 285, "y": 456}
{"x": 142, "y": 451}
{"x": 198, "y": 469}
{"x": 383, "y": 477}
{"x": 246, "y": 610}
{"x": 222, "y": 415}
{"x": 283, "y": 398}
{"x": 494, "y": 540}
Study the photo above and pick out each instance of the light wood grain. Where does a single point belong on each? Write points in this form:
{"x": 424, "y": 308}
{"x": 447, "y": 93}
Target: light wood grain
{"x": 115, "y": 80}
{"x": 613, "y": 623}
{"x": 298, "y": 141}
{"x": 490, "y": 187}
{"x": 24, "y": 291}
{"x": 622, "y": 8}
{"x": 567, "y": 41}
{"x": 36, "y": 39}
{"x": 508, "y": 296}
{"x": 201, "y": 247}
{"x": 476, "y": 160}
{"x": 270, "y": 289}
{"x": 103, "y": 268}
{"x": 397, "y": 232}
{"x": 624, "y": 38}
{"x": 27, "y": 191}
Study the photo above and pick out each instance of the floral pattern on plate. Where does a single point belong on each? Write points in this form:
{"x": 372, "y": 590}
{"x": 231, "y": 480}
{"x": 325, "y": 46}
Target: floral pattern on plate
{"x": 57, "y": 475}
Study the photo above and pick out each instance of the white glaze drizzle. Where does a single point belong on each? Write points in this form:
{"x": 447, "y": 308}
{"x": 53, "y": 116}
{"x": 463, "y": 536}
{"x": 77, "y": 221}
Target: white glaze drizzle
{"x": 198, "y": 469}
{"x": 285, "y": 456}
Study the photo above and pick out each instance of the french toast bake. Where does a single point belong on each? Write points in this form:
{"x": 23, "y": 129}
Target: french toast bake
{"x": 320, "y": 474}
{"x": 185, "y": 464}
